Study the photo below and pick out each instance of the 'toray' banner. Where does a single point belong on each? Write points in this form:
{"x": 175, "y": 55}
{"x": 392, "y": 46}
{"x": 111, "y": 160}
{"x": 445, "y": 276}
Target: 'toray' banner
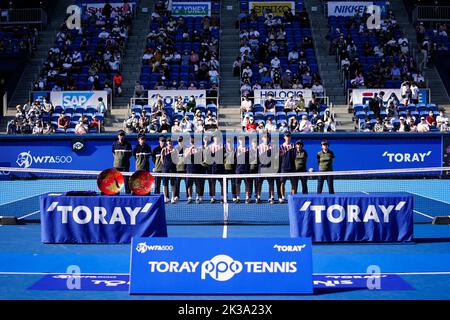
{"x": 347, "y": 8}
{"x": 352, "y": 217}
{"x": 101, "y": 219}
{"x": 221, "y": 266}
{"x": 78, "y": 98}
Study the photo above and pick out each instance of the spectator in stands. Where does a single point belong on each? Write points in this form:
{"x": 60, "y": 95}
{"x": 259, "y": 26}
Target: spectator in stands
{"x": 118, "y": 83}
{"x": 63, "y": 121}
{"x": 139, "y": 90}
{"x": 283, "y": 127}
{"x": 329, "y": 121}
{"x": 378, "y": 127}
{"x": 95, "y": 123}
{"x": 441, "y": 118}
{"x": 101, "y": 107}
{"x": 48, "y": 129}
{"x": 37, "y": 128}
{"x": 251, "y": 125}
{"x": 290, "y": 103}
{"x": 186, "y": 125}
{"x": 82, "y": 126}
{"x": 358, "y": 80}
{"x": 191, "y": 104}
{"x": 47, "y": 106}
{"x": 406, "y": 92}
{"x": 176, "y": 126}
{"x": 300, "y": 104}
{"x": 305, "y": 125}
{"x": 164, "y": 127}
{"x": 445, "y": 127}
{"x": 237, "y": 67}
{"x": 199, "y": 126}
{"x": 388, "y": 126}
{"x": 430, "y": 119}
{"x": 317, "y": 89}
{"x": 270, "y": 126}
{"x": 423, "y": 126}
{"x": 246, "y": 104}
{"x": 260, "y": 128}
{"x": 269, "y": 104}
{"x": 313, "y": 104}
{"x": 414, "y": 93}
{"x": 403, "y": 127}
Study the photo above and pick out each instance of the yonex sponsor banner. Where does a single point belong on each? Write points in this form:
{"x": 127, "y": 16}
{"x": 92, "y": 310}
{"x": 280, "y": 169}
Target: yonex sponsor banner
{"x": 121, "y": 282}
{"x": 101, "y": 219}
{"x": 276, "y": 7}
{"x": 281, "y": 94}
{"x": 362, "y": 96}
{"x": 221, "y": 266}
{"x": 169, "y": 96}
{"x": 191, "y": 9}
{"x": 98, "y": 7}
{"x": 352, "y": 217}
{"x": 347, "y": 8}
{"x": 78, "y": 98}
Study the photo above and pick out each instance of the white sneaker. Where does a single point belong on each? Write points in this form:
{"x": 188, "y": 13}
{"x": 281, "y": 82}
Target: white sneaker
{"x": 166, "y": 200}
{"x": 173, "y": 201}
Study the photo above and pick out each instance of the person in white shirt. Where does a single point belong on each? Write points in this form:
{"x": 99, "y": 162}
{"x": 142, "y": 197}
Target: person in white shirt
{"x": 414, "y": 93}
{"x": 275, "y": 63}
{"x": 104, "y": 34}
{"x": 305, "y": 125}
{"x": 441, "y": 118}
{"x": 317, "y": 89}
{"x": 445, "y": 127}
{"x": 246, "y": 104}
{"x": 247, "y": 72}
{"x": 329, "y": 121}
{"x": 270, "y": 126}
{"x": 423, "y": 125}
{"x": 345, "y": 63}
{"x": 293, "y": 56}
{"x": 289, "y": 104}
{"x": 186, "y": 125}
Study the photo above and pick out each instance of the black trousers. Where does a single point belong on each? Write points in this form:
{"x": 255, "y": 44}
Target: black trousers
{"x": 178, "y": 183}
{"x": 158, "y": 181}
{"x": 330, "y": 182}
{"x": 259, "y": 183}
{"x": 304, "y": 182}
{"x": 233, "y": 183}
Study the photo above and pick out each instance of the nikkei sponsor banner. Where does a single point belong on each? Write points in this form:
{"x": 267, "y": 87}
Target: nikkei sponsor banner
{"x": 121, "y": 282}
{"x": 169, "y": 96}
{"x": 281, "y": 94}
{"x": 98, "y": 7}
{"x": 276, "y": 7}
{"x": 221, "y": 266}
{"x": 362, "y": 96}
{"x": 191, "y": 9}
{"x": 347, "y": 8}
{"x": 101, "y": 219}
{"x": 386, "y": 217}
{"x": 78, "y": 98}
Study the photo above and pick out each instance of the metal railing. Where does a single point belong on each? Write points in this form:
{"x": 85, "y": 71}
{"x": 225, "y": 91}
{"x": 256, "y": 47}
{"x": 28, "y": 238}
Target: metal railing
{"x": 23, "y": 16}
{"x": 431, "y": 13}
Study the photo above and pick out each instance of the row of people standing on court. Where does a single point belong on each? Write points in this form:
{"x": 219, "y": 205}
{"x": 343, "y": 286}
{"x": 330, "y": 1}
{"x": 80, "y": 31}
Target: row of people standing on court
{"x": 193, "y": 159}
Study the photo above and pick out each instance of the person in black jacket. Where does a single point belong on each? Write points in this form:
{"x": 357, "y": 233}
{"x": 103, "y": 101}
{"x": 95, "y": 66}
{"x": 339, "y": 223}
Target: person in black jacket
{"x": 142, "y": 152}
{"x": 169, "y": 166}
{"x": 121, "y": 150}
{"x": 287, "y": 163}
{"x": 156, "y": 157}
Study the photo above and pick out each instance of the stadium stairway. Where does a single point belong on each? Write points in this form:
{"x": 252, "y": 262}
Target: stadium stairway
{"x": 328, "y": 66}
{"x": 45, "y": 42}
{"x": 229, "y": 111}
{"x": 132, "y": 61}
{"x": 438, "y": 93}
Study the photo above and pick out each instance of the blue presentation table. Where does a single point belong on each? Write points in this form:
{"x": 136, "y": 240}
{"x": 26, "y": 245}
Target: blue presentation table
{"x": 101, "y": 219}
{"x": 377, "y": 217}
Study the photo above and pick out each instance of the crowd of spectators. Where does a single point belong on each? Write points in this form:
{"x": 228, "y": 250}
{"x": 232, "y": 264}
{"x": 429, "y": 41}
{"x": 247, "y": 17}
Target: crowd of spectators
{"x": 276, "y": 52}
{"x": 88, "y": 58}
{"x": 181, "y": 53}
{"x": 41, "y": 117}
{"x": 182, "y": 116}
{"x": 373, "y": 58}
{"x": 17, "y": 40}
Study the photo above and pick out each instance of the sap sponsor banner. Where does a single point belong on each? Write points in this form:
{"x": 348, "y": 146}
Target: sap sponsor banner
{"x": 78, "y": 98}
{"x": 98, "y": 7}
{"x": 276, "y": 7}
{"x": 101, "y": 219}
{"x": 221, "y": 266}
{"x": 120, "y": 282}
{"x": 347, "y": 8}
{"x": 169, "y": 96}
{"x": 352, "y": 217}
{"x": 191, "y": 9}
{"x": 281, "y": 94}
{"x": 362, "y": 96}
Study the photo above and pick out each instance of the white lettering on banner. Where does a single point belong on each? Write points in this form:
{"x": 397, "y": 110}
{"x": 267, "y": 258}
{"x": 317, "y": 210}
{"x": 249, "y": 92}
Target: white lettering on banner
{"x": 191, "y": 9}
{"x": 98, "y": 7}
{"x": 281, "y": 94}
{"x": 406, "y": 157}
{"x": 144, "y": 247}
{"x": 78, "y": 98}
{"x": 346, "y": 9}
{"x": 25, "y": 159}
{"x": 110, "y": 283}
{"x": 97, "y": 215}
{"x": 289, "y": 248}
{"x": 276, "y": 7}
{"x": 351, "y": 213}
{"x": 222, "y": 267}
{"x": 169, "y": 96}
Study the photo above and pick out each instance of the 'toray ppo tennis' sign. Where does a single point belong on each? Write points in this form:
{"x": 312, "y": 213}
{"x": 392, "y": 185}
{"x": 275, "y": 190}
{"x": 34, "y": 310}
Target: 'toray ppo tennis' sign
{"x": 221, "y": 266}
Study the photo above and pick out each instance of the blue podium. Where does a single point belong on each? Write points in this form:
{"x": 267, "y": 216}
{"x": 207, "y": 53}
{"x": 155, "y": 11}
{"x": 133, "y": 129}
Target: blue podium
{"x": 101, "y": 219}
{"x": 377, "y": 217}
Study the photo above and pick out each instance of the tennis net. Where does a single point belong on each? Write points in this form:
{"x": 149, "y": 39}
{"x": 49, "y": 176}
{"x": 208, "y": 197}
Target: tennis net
{"x": 430, "y": 187}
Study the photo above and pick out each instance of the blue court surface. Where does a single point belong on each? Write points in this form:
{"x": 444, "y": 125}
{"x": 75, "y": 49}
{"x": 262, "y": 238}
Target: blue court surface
{"x": 424, "y": 265}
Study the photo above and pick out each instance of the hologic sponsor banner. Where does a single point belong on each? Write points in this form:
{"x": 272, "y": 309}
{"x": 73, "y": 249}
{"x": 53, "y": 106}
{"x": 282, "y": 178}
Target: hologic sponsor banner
{"x": 98, "y": 7}
{"x": 281, "y": 94}
{"x": 352, "y": 217}
{"x": 276, "y": 7}
{"x": 191, "y": 9}
{"x": 169, "y": 96}
{"x": 78, "y": 98}
{"x": 101, "y": 219}
{"x": 362, "y": 96}
{"x": 221, "y": 266}
{"x": 121, "y": 282}
{"x": 347, "y": 8}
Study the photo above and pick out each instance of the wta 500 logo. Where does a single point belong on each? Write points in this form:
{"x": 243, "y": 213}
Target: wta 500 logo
{"x": 26, "y": 160}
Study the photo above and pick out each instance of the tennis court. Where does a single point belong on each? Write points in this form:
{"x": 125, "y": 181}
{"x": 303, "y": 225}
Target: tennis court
{"x": 424, "y": 264}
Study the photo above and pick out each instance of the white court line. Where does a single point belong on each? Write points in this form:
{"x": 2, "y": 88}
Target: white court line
{"x": 319, "y": 274}
{"x": 423, "y": 214}
{"x": 418, "y": 194}
{"x": 5, "y": 203}
{"x": 35, "y": 212}
{"x": 364, "y": 192}
{"x": 225, "y": 231}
